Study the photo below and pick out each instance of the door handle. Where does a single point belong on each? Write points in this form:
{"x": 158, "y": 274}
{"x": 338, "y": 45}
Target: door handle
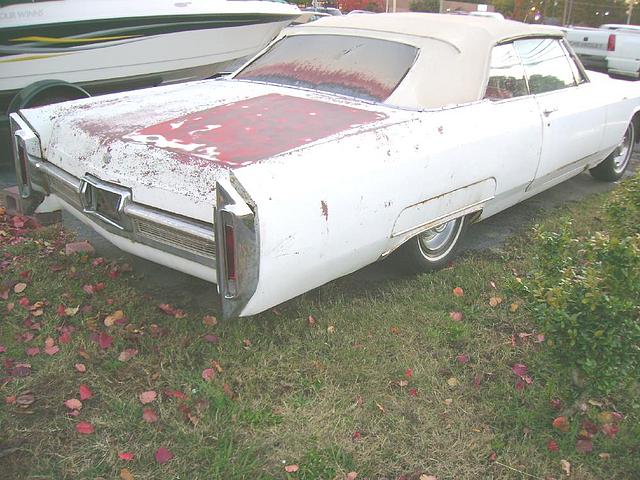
{"x": 548, "y": 111}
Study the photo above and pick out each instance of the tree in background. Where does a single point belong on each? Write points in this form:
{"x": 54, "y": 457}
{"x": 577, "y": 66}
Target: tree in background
{"x": 582, "y": 12}
{"x": 370, "y": 5}
{"x": 425, "y": 6}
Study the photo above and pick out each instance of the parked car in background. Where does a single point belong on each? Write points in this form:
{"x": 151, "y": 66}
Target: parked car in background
{"x": 612, "y": 48}
{"x": 346, "y": 141}
{"x": 330, "y": 10}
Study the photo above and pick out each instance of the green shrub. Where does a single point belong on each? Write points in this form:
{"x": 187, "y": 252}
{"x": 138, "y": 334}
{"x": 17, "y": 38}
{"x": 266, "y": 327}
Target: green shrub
{"x": 586, "y": 294}
{"x": 623, "y": 208}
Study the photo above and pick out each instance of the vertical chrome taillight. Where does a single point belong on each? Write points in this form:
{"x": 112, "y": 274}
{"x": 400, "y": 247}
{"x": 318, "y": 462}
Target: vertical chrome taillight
{"x": 237, "y": 247}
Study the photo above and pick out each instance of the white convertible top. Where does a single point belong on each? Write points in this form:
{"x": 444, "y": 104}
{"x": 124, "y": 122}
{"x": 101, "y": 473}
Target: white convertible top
{"x": 443, "y": 75}
{"x": 463, "y": 31}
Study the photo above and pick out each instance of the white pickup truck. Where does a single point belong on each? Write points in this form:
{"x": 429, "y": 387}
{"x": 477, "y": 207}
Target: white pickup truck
{"x": 612, "y": 48}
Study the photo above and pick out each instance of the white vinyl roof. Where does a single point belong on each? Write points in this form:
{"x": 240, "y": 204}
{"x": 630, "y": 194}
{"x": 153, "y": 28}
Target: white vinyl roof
{"x": 463, "y": 31}
{"x": 455, "y": 50}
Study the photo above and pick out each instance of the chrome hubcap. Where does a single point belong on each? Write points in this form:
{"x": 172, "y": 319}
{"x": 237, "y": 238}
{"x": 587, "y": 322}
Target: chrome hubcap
{"x": 436, "y": 241}
{"x": 623, "y": 151}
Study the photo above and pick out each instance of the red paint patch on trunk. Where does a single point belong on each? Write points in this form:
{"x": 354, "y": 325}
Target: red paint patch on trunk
{"x": 245, "y": 132}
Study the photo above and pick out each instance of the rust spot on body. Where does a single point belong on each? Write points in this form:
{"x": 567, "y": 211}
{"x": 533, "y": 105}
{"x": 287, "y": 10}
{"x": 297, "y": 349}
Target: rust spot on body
{"x": 325, "y": 210}
{"x": 243, "y": 132}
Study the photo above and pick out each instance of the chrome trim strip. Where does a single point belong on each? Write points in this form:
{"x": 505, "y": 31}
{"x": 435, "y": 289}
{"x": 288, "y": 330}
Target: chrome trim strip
{"x": 441, "y": 217}
{"x": 191, "y": 228}
{"x": 52, "y": 171}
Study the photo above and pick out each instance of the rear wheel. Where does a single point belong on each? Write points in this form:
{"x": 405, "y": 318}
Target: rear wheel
{"x": 433, "y": 248}
{"x": 614, "y": 166}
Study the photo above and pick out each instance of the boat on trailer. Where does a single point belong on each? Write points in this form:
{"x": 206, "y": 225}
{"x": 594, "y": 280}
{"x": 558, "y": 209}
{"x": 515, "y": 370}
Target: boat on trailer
{"x": 109, "y": 45}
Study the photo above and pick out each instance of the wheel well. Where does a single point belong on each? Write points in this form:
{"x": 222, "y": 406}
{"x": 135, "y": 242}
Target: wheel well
{"x": 45, "y": 92}
{"x": 636, "y": 125}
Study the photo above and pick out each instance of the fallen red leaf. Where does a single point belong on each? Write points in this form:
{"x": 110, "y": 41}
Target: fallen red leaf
{"x": 209, "y": 320}
{"x": 208, "y": 374}
{"x": 610, "y": 430}
{"x": 590, "y": 427}
{"x": 353, "y": 476}
{"x": 211, "y": 338}
{"x": 463, "y": 359}
{"x": 228, "y": 391}
{"x": 561, "y": 423}
{"x": 32, "y": 351}
{"x": 311, "y": 321}
{"x": 408, "y": 372}
{"x": 10, "y": 400}
{"x": 519, "y": 369}
{"x": 147, "y": 397}
{"x": 20, "y": 370}
{"x": 65, "y": 338}
{"x": 60, "y": 311}
{"x": 584, "y": 446}
{"x": 128, "y": 456}
{"x": 105, "y": 340}
{"x": 149, "y": 415}
{"x": 163, "y": 455}
{"x": 493, "y": 456}
{"x": 25, "y": 399}
{"x": 175, "y": 394}
{"x": 171, "y": 310}
{"x": 552, "y": 446}
{"x": 84, "y": 428}
{"x": 458, "y": 292}
{"x": 85, "y": 392}
{"x": 555, "y": 403}
{"x": 23, "y": 302}
{"x": 291, "y": 468}
{"x": 3, "y": 349}
{"x": 456, "y": 316}
{"x": 356, "y": 436}
{"x": 127, "y": 354}
{"x": 413, "y": 392}
{"x": 49, "y": 347}
{"x": 73, "y": 404}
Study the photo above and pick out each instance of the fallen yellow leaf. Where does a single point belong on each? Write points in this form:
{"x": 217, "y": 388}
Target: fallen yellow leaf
{"x": 453, "y": 382}
{"x": 125, "y": 474}
{"x": 495, "y": 301}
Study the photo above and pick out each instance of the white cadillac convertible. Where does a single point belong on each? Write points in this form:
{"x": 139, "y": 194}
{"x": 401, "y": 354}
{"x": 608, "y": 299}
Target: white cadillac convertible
{"x": 343, "y": 142}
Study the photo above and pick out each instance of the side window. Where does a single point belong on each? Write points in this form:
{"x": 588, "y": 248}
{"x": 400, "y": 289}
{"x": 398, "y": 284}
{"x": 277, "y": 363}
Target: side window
{"x": 577, "y": 73}
{"x": 546, "y": 65}
{"x": 506, "y": 75}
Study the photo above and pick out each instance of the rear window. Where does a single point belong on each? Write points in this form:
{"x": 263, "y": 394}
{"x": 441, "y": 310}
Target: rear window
{"x": 366, "y": 68}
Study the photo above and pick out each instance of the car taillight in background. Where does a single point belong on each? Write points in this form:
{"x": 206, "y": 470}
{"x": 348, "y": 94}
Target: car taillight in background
{"x": 611, "y": 44}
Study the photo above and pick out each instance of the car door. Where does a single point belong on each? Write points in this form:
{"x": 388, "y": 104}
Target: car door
{"x": 514, "y": 133}
{"x": 573, "y": 116}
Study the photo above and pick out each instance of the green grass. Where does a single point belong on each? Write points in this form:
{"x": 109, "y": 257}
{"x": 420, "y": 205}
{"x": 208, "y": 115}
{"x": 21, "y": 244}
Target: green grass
{"x": 330, "y": 397}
